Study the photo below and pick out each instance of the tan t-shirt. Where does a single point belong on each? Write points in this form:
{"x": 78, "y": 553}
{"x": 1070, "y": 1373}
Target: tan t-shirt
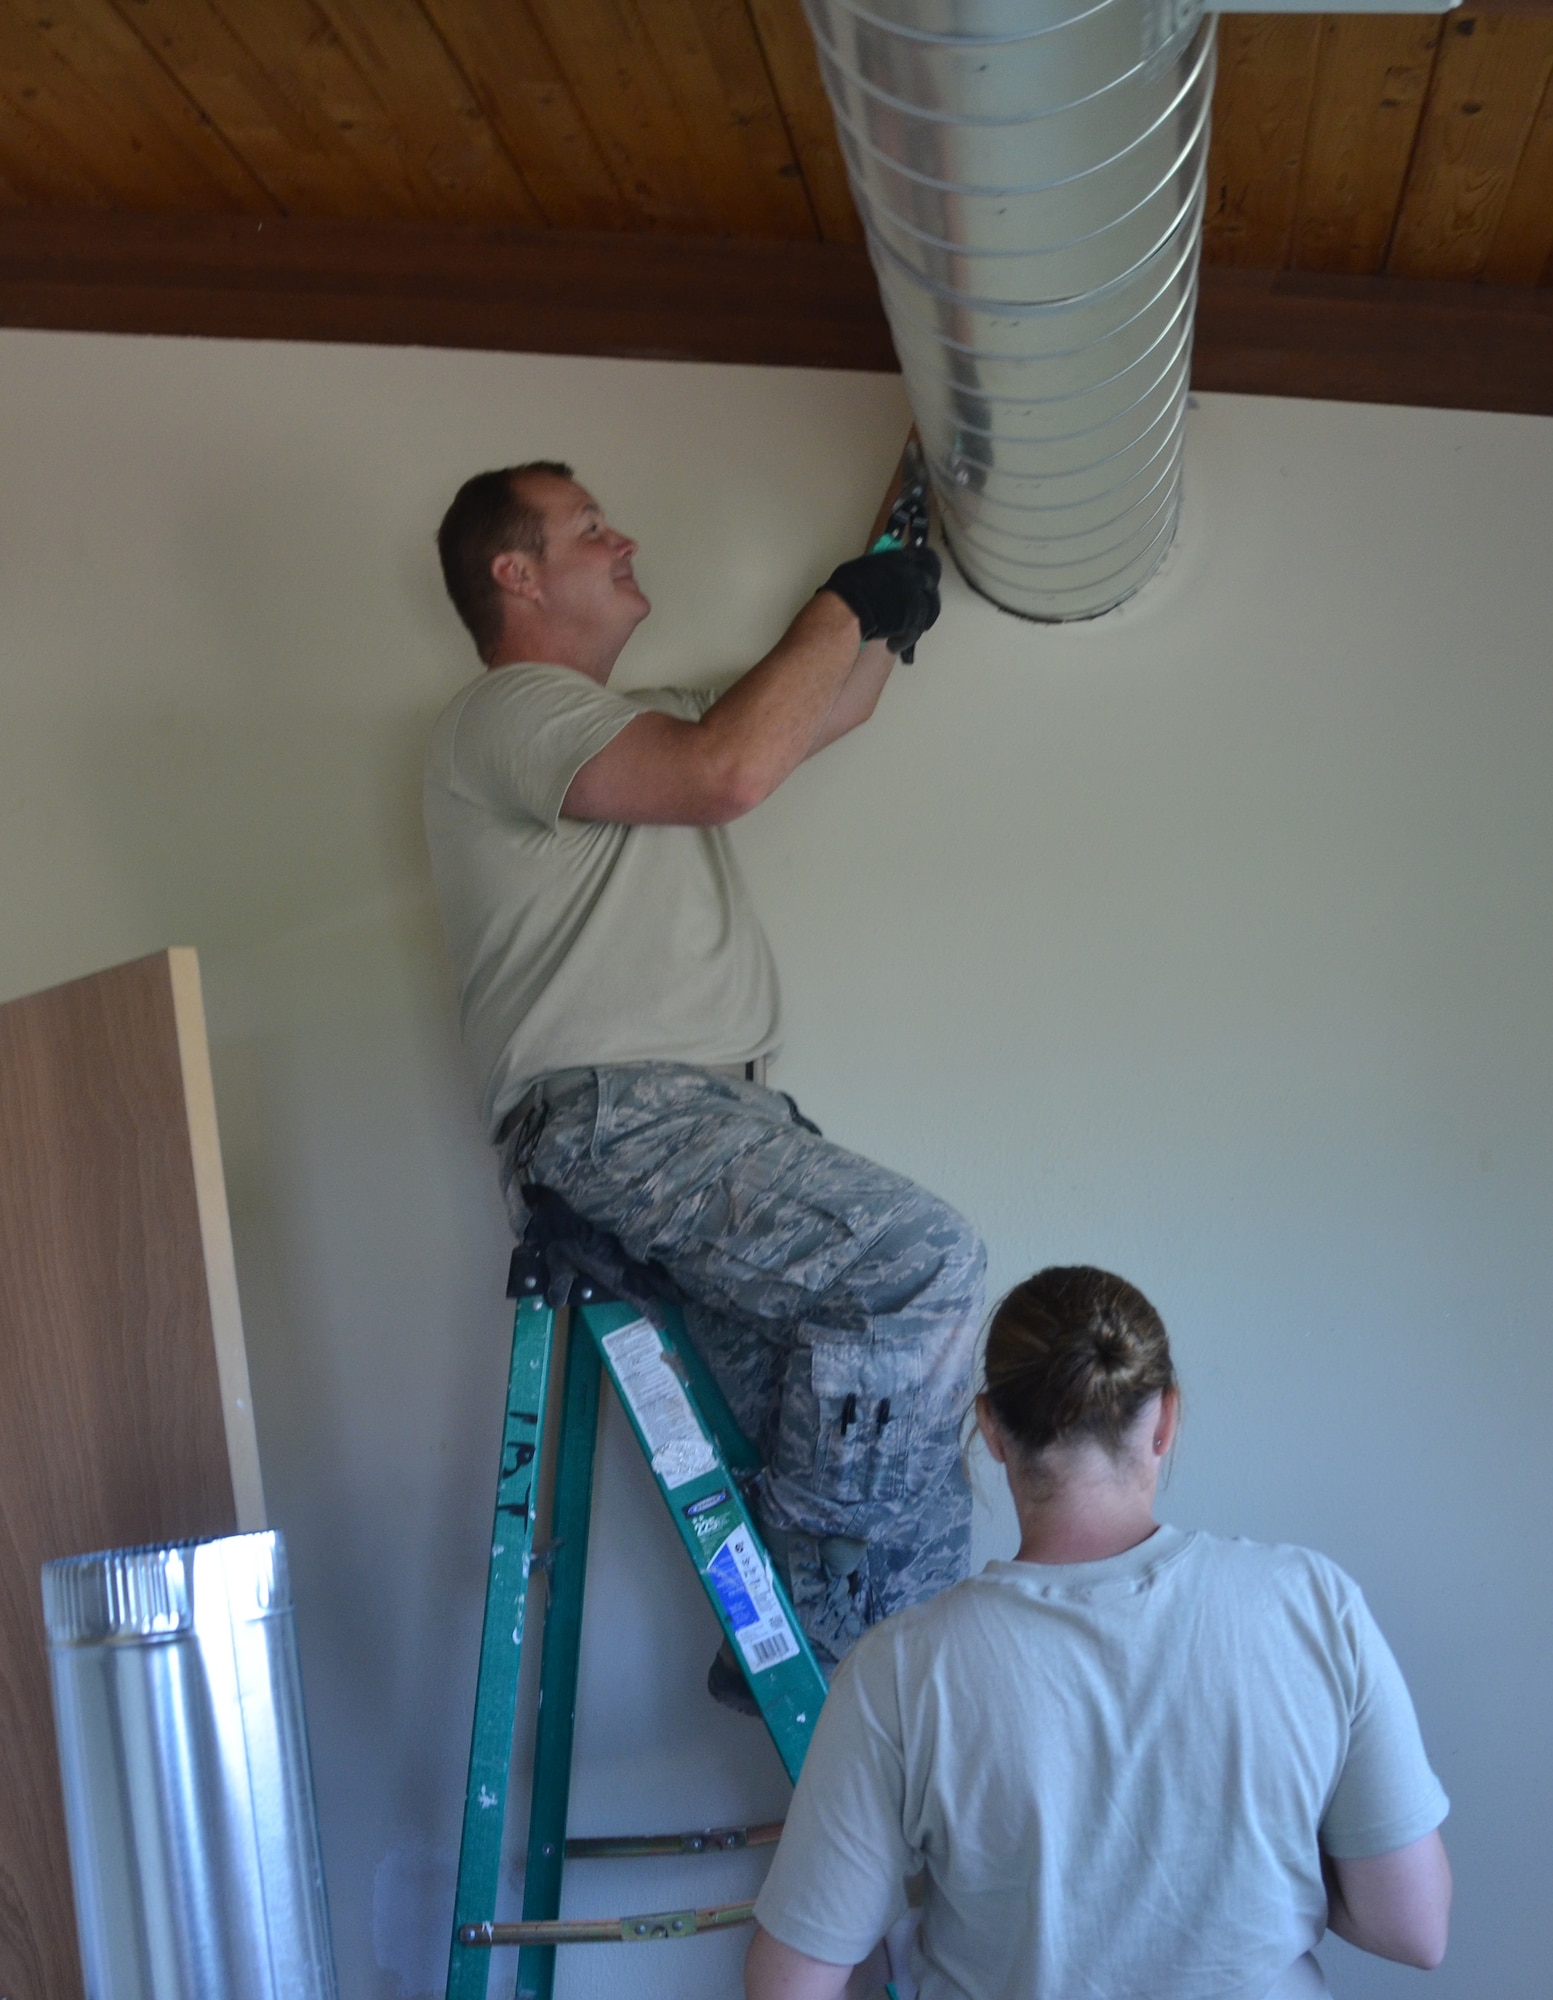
{"x": 1119, "y": 1776}
{"x": 576, "y": 942}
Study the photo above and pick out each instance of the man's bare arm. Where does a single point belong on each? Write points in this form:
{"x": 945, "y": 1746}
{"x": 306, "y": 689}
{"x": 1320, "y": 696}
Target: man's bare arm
{"x": 817, "y": 683}
{"x": 774, "y": 1971}
{"x": 660, "y": 771}
{"x": 859, "y": 695}
{"x": 1396, "y": 1905}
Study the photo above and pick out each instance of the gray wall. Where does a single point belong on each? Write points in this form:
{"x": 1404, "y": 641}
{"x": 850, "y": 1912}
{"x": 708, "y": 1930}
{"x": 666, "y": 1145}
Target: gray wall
{"x": 1210, "y": 941}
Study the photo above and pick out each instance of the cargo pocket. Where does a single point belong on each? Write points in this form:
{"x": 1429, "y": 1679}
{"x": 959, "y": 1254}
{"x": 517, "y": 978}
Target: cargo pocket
{"x": 865, "y": 1416}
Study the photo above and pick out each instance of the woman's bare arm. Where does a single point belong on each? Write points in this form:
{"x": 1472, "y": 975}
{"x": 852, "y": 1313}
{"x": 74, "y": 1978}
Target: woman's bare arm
{"x": 1397, "y": 1905}
{"x": 774, "y": 1971}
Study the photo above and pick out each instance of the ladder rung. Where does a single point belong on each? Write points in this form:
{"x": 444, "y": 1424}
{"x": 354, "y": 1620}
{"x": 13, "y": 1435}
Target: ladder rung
{"x": 611, "y": 1930}
{"x": 710, "y": 1840}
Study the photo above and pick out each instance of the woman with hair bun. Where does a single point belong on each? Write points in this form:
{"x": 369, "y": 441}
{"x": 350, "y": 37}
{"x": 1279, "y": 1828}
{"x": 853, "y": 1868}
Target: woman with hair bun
{"x": 1134, "y": 1763}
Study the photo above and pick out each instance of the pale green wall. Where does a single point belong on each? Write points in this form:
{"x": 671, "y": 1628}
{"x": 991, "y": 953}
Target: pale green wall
{"x": 1211, "y": 941}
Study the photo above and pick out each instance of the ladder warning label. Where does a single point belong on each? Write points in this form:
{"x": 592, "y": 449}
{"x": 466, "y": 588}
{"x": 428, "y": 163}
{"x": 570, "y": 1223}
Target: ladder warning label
{"x": 759, "y": 1623}
{"x": 657, "y": 1400}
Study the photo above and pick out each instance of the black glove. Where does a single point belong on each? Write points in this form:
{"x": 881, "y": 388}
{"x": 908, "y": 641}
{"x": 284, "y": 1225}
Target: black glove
{"x": 893, "y": 594}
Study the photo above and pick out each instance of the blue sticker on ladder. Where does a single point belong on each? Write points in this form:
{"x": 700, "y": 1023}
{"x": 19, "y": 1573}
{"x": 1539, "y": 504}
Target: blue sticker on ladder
{"x": 740, "y": 1575}
{"x": 736, "y": 1600}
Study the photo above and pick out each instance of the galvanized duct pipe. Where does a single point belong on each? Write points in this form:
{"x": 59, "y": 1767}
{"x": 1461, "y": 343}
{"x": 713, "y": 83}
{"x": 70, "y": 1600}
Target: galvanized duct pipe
{"x": 1031, "y": 174}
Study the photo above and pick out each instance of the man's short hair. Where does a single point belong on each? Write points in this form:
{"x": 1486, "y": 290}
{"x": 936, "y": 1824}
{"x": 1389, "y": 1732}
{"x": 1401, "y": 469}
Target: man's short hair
{"x": 489, "y": 515}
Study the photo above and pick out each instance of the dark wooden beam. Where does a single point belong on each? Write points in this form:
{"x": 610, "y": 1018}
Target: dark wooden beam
{"x": 418, "y": 284}
{"x": 1385, "y": 340}
{"x": 1376, "y": 340}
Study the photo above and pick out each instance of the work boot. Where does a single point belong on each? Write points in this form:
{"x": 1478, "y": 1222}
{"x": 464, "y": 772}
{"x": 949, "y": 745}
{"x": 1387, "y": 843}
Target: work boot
{"x": 726, "y": 1684}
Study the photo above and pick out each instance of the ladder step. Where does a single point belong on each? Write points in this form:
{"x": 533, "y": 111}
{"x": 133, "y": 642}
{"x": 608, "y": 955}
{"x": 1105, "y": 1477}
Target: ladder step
{"x": 710, "y": 1840}
{"x": 611, "y": 1930}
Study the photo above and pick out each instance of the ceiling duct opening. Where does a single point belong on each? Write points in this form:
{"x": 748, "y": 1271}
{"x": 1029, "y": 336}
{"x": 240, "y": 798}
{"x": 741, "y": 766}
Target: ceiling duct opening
{"x": 1030, "y": 174}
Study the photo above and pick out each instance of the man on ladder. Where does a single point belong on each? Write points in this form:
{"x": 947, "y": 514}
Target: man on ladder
{"x": 619, "y": 999}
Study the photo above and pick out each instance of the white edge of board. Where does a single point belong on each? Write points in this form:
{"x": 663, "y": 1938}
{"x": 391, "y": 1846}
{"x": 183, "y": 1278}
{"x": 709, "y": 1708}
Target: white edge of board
{"x": 226, "y": 1319}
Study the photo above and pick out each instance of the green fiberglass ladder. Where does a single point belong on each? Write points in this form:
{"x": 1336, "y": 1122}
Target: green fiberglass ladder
{"x": 698, "y": 1455}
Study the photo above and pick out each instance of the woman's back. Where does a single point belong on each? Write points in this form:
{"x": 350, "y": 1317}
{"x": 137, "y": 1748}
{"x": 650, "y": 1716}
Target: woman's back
{"x": 1114, "y": 1773}
{"x": 1135, "y": 1764}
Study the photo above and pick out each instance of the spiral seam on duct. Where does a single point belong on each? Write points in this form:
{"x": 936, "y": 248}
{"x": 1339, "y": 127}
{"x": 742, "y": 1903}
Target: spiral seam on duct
{"x": 1031, "y": 175}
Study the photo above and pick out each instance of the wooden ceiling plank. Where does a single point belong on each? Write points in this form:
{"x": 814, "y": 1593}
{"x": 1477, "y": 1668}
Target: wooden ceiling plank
{"x": 287, "y": 45}
{"x": 104, "y": 97}
{"x": 1522, "y": 252}
{"x": 307, "y": 59}
{"x": 300, "y": 50}
{"x": 794, "y": 68}
{"x": 614, "y": 75}
{"x": 1372, "y": 77}
{"x": 711, "y": 56}
{"x": 1261, "y": 107}
{"x": 511, "y": 71}
{"x": 40, "y": 164}
{"x": 449, "y": 153}
{"x": 39, "y": 106}
{"x": 278, "y": 127}
{"x": 1489, "y": 80}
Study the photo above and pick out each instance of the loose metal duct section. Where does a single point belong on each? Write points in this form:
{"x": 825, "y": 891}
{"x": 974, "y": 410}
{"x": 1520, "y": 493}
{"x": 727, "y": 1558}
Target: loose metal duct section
{"x": 1031, "y": 174}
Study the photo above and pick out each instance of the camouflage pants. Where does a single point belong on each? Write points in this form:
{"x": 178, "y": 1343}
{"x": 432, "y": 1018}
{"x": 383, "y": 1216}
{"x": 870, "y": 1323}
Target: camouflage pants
{"x": 836, "y": 1303}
